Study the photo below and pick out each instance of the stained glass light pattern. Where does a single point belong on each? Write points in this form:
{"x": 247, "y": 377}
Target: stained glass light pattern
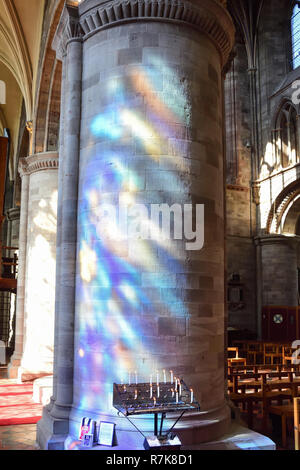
{"x": 120, "y": 284}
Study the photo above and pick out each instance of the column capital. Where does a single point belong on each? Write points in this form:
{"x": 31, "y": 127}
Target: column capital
{"x": 13, "y": 213}
{"x": 209, "y": 17}
{"x": 272, "y": 239}
{"x": 38, "y": 162}
{"x": 68, "y": 29}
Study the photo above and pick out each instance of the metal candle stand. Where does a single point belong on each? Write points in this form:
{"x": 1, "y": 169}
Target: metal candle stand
{"x": 135, "y": 399}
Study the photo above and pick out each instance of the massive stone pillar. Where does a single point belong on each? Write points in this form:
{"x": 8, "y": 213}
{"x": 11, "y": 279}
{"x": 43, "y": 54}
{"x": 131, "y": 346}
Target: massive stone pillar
{"x": 54, "y": 427}
{"x": 19, "y": 331}
{"x": 279, "y": 270}
{"x": 149, "y": 101}
{"x": 36, "y": 284}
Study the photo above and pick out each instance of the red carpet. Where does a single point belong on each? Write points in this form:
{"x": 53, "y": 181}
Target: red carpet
{"x": 16, "y": 405}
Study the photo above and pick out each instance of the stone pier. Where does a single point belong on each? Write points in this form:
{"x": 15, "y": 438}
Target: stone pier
{"x": 33, "y": 356}
{"x": 143, "y": 126}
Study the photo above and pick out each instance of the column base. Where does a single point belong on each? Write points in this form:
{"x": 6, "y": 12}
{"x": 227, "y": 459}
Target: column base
{"x": 52, "y": 432}
{"x": 192, "y": 429}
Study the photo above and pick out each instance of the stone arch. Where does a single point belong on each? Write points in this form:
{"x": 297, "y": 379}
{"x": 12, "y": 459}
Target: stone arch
{"x": 14, "y": 52}
{"x": 281, "y": 207}
{"x": 291, "y": 217}
{"x": 49, "y": 88}
{"x": 285, "y": 101}
{"x": 285, "y": 134}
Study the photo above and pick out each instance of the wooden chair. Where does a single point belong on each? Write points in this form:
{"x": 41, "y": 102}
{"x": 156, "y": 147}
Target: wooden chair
{"x": 255, "y": 353}
{"x": 272, "y": 353}
{"x": 285, "y": 412}
{"x": 235, "y": 360}
{"x": 263, "y": 392}
{"x": 296, "y": 422}
{"x": 287, "y": 354}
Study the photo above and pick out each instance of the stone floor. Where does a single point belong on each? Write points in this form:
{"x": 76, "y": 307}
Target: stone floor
{"x": 20, "y": 437}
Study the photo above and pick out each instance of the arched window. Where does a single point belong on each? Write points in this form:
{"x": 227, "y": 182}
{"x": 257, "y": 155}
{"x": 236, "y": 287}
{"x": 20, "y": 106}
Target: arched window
{"x": 285, "y": 137}
{"x": 284, "y": 140}
{"x": 293, "y": 135}
{"x": 295, "y": 32}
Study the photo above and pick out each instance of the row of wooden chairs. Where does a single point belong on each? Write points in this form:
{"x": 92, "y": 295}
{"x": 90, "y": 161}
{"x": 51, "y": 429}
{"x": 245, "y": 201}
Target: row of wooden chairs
{"x": 264, "y": 385}
{"x": 261, "y": 352}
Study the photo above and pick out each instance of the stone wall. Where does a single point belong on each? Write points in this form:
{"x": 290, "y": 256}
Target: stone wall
{"x": 250, "y": 206}
{"x": 240, "y": 209}
{"x": 280, "y": 277}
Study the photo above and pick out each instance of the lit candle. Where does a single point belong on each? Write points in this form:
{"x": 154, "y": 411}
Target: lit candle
{"x": 176, "y": 397}
{"x": 157, "y": 391}
{"x": 135, "y": 394}
{"x": 151, "y": 391}
{"x": 157, "y": 377}
{"x": 192, "y": 395}
{"x": 179, "y": 383}
{"x": 171, "y": 372}
{"x": 124, "y": 388}
{"x": 136, "y": 380}
{"x": 150, "y": 380}
{"x": 172, "y": 390}
{"x": 129, "y": 378}
{"x": 154, "y": 401}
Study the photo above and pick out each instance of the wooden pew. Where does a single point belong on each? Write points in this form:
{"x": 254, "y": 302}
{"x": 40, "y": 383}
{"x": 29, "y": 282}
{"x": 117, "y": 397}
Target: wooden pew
{"x": 235, "y": 360}
{"x": 283, "y": 385}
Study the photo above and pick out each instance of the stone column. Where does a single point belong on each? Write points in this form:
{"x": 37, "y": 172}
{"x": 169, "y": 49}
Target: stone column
{"x": 151, "y": 133}
{"x": 19, "y": 334}
{"x": 37, "y": 356}
{"x": 59, "y": 259}
{"x": 279, "y": 270}
{"x": 13, "y": 219}
{"x": 54, "y": 426}
{"x": 66, "y": 299}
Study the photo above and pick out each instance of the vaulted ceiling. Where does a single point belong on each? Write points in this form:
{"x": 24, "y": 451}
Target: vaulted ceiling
{"x": 20, "y": 38}
{"x": 20, "y": 32}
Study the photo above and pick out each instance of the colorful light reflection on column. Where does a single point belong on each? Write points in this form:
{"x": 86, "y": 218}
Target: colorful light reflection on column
{"x": 118, "y": 283}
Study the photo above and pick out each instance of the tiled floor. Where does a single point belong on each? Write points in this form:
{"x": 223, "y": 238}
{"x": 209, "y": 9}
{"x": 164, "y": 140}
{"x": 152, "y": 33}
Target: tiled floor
{"x": 18, "y": 437}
